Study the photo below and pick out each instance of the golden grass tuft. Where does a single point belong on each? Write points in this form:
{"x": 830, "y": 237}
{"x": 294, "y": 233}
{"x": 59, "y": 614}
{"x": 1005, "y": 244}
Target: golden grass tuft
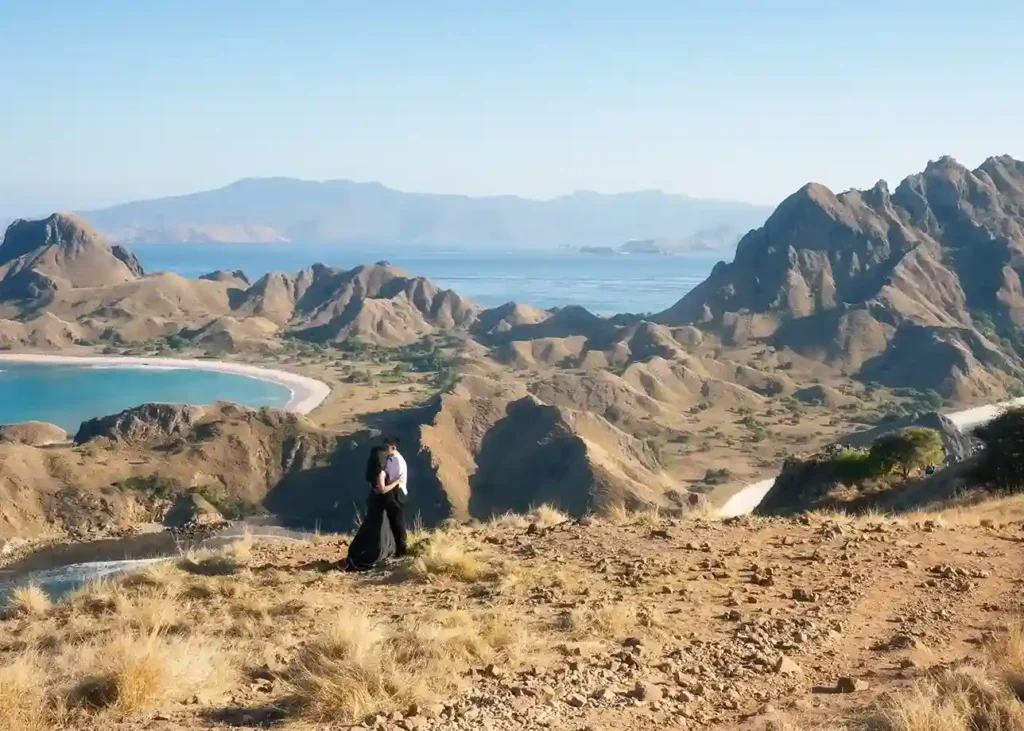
{"x": 131, "y": 673}
{"x": 988, "y": 697}
{"x": 547, "y": 515}
{"x": 1008, "y": 659}
{"x": 964, "y": 699}
{"x": 360, "y": 667}
{"x": 160, "y": 574}
{"x": 28, "y": 601}
{"x": 606, "y": 621}
{"x": 23, "y": 702}
{"x": 448, "y": 556}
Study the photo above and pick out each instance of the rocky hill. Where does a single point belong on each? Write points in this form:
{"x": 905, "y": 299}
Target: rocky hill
{"x": 919, "y": 286}
{"x": 61, "y": 283}
{"x": 62, "y": 251}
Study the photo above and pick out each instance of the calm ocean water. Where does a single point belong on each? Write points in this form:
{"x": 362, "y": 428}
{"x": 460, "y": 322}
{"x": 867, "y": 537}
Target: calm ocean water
{"x": 67, "y": 396}
{"x": 603, "y": 284}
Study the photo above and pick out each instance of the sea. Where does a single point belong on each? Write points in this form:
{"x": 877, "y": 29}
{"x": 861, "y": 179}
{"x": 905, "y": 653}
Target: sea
{"x": 604, "y": 284}
{"x": 68, "y": 395}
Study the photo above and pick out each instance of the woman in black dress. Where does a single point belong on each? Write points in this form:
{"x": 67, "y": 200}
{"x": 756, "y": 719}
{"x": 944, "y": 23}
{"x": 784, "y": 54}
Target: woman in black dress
{"x": 374, "y": 542}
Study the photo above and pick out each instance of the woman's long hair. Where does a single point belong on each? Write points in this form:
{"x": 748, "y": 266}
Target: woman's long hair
{"x": 374, "y": 464}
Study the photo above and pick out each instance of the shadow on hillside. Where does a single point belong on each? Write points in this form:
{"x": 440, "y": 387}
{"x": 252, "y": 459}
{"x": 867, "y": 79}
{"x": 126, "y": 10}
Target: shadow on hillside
{"x": 529, "y": 458}
{"x": 332, "y": 495}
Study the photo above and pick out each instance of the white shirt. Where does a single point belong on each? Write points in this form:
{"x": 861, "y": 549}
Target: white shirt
{"x": 396, "y": 469}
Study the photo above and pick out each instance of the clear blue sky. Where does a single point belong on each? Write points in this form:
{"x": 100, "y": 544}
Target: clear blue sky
{"x": 110, "y": 100}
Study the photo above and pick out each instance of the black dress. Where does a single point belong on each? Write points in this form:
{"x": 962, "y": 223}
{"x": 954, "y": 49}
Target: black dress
{"x": 374, "y": 541}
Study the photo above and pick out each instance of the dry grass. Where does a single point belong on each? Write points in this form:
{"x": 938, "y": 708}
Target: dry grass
{"x": 965, "y": 699}
{"x": 449, "y": 556}
{"x": 1008, "y": 657}
{"x": 360, "y": 666}
{"x": 607, "y": 621}
{"x": 130, "y": 673}
{"x": 28, "y": 601}
{"x": 23, "y": 702}
{"x": 546, "y": 516}
{"x": 619, "y": 514}
{"x": 989, "y": 697}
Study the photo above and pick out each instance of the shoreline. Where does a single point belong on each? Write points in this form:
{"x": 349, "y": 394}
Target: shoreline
{"x": 306, "y": 393}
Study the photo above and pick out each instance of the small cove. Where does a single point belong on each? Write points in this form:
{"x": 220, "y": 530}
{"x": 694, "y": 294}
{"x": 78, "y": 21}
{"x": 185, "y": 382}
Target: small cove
{"x": 67, "y": 395}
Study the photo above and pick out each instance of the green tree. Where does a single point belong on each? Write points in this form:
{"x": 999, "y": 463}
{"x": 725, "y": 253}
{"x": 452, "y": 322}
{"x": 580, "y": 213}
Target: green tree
{"x": 907, "y": 450}
{"x": 1001, "y": 464}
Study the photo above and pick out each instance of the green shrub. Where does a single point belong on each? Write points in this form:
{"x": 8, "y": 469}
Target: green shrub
{"x": 1001, "y": 464}
{"x": 154, "y": 484}
{"x": 908, "y": 449}
{"x": 230, "y": 506}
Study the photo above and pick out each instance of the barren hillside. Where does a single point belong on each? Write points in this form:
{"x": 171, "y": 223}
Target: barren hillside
{"x": 629, "y": 622}
{"x": 920, "y": 286}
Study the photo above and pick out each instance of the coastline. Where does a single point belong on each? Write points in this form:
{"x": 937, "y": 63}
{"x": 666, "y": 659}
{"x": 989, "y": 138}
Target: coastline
{"x": 306, "y": 393}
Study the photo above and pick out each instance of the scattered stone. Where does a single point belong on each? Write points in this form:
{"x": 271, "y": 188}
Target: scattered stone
{"x": 646, "y": 692}
{"x": 576, "y": 700}
{"x": 804, "y": 595}
{"x": 896, "y": 642}
{"x": 786, "y": 666}
{"x": 847, "y": 684}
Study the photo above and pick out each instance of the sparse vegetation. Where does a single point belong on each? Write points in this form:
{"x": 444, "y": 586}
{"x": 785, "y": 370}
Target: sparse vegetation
{"x": 230, "y": 506}
{"x": 1001, "y": 464}
{"x": 155, "y": 485}
{"x": 28, "y": 601}
{"x": 907, "y": 450}
{"x": 448, "y": 556}
{"x": 360, "y": 667}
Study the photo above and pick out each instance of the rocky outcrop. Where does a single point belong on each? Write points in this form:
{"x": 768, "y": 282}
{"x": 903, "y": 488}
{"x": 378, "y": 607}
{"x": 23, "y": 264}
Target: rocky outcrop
{"x": 191, "y": 509}
{"x": 141, "y": 424}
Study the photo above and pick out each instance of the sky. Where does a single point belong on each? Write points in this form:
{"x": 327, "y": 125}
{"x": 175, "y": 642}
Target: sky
{"x": 113, "y": 100}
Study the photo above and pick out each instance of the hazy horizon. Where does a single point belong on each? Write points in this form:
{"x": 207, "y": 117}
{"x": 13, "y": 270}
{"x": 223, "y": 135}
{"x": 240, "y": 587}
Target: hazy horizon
{"x": 121, "y": 102}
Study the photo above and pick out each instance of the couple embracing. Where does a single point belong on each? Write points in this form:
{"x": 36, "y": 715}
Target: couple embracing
{"x": 382, "y": 535}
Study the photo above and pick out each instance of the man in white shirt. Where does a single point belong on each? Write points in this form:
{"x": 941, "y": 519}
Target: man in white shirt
{"x": 396, "y": 492}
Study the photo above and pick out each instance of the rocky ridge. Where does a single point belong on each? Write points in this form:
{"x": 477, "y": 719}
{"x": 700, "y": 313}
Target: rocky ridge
{"x": 873, "y": 281}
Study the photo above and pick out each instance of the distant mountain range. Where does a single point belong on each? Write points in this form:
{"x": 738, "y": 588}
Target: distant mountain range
{"x": 337, "y": 212}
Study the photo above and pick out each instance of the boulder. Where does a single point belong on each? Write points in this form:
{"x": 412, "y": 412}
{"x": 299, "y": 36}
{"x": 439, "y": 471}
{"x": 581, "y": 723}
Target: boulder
{"x": 191, "y": 508}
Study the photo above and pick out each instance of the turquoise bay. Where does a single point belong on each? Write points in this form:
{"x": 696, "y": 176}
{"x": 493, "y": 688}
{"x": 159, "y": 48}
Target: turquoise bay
{"x": 68, "y": 395}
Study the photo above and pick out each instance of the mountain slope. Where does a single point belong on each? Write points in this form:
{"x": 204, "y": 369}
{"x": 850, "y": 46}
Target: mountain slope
{"x": 852, "y": 278}
{"x": 341, "y": 211}
{"x": 59, "y": 252}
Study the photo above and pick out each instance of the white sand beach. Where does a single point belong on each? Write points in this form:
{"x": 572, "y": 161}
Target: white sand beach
{"x": 307, "y": 393}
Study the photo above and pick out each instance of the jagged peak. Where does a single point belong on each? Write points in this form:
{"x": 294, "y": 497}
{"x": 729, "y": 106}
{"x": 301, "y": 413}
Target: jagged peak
{"x": 943, "y": 164}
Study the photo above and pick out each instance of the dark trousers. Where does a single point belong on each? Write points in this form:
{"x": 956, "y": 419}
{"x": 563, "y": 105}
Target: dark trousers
{"x": 392, "y": 503}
